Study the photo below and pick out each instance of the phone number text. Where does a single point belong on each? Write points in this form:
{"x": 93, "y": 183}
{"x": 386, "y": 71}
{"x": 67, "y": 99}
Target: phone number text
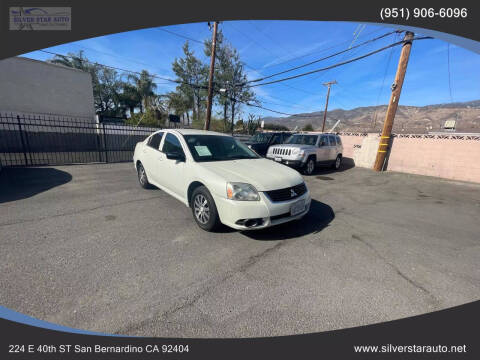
{"x": 424, "y": 13}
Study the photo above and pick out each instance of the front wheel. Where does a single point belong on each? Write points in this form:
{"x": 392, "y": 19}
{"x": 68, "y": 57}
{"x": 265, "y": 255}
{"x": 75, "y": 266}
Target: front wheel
{"x": 309, "y": 166}
{"x": 142, "y": 177}
{"x": 204, "y": 210}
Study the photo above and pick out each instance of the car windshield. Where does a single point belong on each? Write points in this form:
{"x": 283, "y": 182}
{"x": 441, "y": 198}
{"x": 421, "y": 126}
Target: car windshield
{"x": 260, "y": 138}
{"x": 302, "y": 139}
{"x": 217, "y": 148}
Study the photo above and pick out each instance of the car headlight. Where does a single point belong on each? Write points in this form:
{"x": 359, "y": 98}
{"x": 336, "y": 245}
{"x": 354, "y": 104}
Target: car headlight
{"x": 242, "y": 192}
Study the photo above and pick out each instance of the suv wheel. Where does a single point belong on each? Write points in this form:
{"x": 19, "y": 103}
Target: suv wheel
{"x": 204, "y": 210}
{"x": 309, "y": 166}
{"x": 338, "y": 162}
{"x": 142, "y": 177}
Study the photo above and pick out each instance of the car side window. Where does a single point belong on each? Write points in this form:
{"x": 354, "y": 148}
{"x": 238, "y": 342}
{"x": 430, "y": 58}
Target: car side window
{"x": 154, "y": 141}
{"x": 331, "y": 140}
{"x": 172, "y": 145}
{"x": 339, "y": 141}
{"x": 323, "y": 141}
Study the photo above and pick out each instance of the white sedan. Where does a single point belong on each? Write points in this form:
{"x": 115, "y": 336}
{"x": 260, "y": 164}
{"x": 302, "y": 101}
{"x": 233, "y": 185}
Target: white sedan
{"x": 221, "y": 179}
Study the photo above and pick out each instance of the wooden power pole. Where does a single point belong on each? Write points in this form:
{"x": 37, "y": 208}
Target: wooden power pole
{"x": 329, "y": 84}
{"x": 210, "y": 76}
{"x": 393, "y": 104}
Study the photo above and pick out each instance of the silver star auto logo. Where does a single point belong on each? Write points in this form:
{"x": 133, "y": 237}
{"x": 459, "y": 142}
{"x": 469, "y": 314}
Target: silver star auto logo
{"x": 292, "y": 193}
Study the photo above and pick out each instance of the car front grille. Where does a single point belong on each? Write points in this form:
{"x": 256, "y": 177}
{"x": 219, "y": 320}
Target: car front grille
{"x": 287, "y": 193}
{"x": 282, "y": 151}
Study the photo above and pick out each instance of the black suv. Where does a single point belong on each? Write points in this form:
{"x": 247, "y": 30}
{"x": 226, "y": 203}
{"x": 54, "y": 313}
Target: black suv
{"x": 261, "y": 141}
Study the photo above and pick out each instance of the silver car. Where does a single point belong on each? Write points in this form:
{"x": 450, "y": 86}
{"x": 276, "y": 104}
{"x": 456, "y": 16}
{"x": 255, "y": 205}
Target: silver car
{"x": 305, "y": 151}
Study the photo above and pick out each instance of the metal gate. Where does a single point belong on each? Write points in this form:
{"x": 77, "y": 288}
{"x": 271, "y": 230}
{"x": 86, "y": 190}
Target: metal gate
{"x": 32, "y": 140}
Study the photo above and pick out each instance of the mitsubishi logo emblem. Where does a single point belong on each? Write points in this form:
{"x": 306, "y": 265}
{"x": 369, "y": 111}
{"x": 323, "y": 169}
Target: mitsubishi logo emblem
{"x": 292, "y": 193}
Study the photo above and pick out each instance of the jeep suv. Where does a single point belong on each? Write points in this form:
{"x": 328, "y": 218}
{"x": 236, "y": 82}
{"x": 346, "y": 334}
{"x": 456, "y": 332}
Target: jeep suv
{"x": 305, "y": 151}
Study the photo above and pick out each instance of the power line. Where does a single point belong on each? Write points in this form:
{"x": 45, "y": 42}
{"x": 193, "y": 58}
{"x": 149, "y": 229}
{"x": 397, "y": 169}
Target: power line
{"x": 246, "y": 65}
{"x": 383, "y": 83}
{"x": 319, "y": 51}
{"x": 323, "y": 58}
{"x": 180, "y": 35}
{"x": 124, "y": 70}
{"x": 334, "y": 65}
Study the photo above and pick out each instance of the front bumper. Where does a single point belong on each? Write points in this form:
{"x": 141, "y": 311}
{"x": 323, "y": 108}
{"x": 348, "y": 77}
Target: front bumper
{"x": 296, "y": 164}
{"x": 271, "y": 213}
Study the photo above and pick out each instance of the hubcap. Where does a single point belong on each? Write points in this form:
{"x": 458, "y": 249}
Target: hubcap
{"x": 201, "y": 209}
{"x": 310, "y": 166}
{"x": 337, "y": 163}
{"x": 142, "y": 175}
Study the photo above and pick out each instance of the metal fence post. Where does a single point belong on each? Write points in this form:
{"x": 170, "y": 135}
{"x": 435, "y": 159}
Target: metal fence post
{"x": 105, "y": 143}
{"x": 21, "y": 139}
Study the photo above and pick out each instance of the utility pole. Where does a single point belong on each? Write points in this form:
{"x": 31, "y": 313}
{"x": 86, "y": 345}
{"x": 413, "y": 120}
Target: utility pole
{"x": 393, "y": 104}
{"x": 329, "y": 84}
{"x": 210, "y": 76}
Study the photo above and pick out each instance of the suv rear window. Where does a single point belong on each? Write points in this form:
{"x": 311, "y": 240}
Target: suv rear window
{"x": 339, "y": 140}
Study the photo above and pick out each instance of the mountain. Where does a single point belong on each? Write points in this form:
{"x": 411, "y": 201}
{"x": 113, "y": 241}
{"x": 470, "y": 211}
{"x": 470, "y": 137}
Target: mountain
{"x": 409, "y": 119}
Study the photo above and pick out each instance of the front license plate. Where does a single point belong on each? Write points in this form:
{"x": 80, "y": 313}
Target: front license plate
{"x": 278, "y": 159}
{"x": 297, "y": 207}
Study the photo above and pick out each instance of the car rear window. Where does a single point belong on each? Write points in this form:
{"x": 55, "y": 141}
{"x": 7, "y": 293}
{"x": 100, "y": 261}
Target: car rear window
{"x": 154, "y": 141}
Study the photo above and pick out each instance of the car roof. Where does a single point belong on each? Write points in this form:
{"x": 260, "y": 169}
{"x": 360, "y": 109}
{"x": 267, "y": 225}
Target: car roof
{"x": 193, "y": 132}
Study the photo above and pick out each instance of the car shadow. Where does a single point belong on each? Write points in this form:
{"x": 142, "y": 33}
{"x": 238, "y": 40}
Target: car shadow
{"x": 22, "y": 183}
{"x": 347, "y": 164}
{"x": 319, "y": 216}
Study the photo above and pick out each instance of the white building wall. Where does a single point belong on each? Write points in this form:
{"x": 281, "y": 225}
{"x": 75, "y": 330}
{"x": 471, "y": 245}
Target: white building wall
{"x": 35, "y": 87}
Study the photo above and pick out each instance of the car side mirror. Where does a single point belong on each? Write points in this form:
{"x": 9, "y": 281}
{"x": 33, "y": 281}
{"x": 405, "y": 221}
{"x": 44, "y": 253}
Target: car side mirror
{"x": 175, "y": 156}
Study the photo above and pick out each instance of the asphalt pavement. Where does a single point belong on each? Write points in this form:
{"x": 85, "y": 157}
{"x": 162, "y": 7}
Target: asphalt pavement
{"x": 84, "y": 246}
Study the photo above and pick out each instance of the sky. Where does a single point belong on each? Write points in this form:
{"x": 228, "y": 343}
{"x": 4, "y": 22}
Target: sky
{"x": 437, "y": 72}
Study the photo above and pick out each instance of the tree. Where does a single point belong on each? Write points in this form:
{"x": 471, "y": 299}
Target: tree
{"x": 145, "y": 87}
{"x": 230, "y": 76}
{"x": 308, "y": 127}
{"x": 72, "y": 60}
{"x": 276, "y": 127}
{"x": 192, "y": 75}
{"x": 179, "y": 103}
{"x": 106, "y": 82}
{"x": 130, "y": 98}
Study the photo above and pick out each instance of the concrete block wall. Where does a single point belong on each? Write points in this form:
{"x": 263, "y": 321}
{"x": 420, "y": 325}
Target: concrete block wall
{"x": 454, "y": 157}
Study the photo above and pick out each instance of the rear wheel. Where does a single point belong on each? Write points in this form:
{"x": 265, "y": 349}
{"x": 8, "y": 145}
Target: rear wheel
{"x": 309, "y": 166}
{"x": 204, "y": 210}
{"x": 142, "y": 177}
{"x": 338, "y": 162}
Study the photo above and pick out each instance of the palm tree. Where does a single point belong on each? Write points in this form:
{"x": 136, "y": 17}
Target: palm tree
{"x": 130, "y": 98}
{"x": 145, "y": 87}
{"x": 76, "y": 61}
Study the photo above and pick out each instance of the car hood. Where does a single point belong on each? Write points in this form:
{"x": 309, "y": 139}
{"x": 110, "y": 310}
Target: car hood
{"x": 264, "y": 174}
{"x": 293, "y": 146}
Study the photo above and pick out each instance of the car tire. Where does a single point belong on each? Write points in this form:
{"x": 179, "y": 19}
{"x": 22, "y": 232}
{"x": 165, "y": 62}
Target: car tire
{"x": 309, "y": 167}
{"x": 204, "y": 209}
{"x": 142, "y": 177}
{"x": 338, "y": 162}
